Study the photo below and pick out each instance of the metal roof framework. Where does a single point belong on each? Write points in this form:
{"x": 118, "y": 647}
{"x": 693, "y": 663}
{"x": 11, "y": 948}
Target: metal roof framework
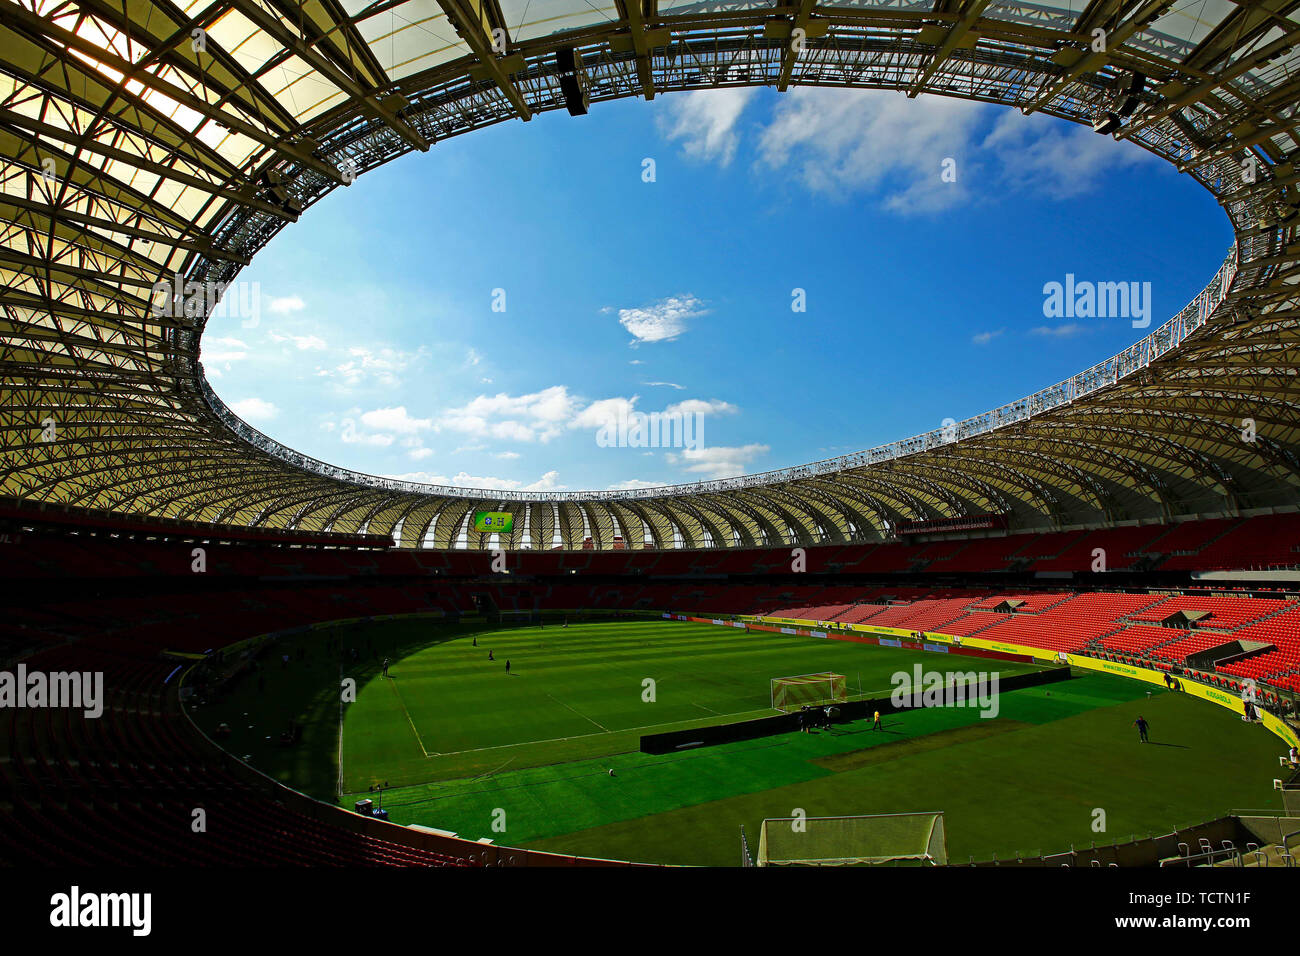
{"x": 146, "y": 140}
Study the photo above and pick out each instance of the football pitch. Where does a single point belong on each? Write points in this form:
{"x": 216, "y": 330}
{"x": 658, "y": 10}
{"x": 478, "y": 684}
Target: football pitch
{"x": 524, "y": 757}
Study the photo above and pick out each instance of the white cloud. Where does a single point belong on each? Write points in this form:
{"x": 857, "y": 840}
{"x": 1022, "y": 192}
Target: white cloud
{"x": 666, "y": 385}
{"x": 717, "y": 461}
{"x": 395, "y": 420}
{"x": 984, "y": 338}
{"x": 698, "y": 406}
{"x": 608, "y": 412}
{"x": 538, "y": 416}
{"x": 381, "y": 427}
{"x": 1052, "y": 157}
{"x": 1057, "y": 331}
{"x": 840, "y": 141}
{"x": 226, "y": 349}
{"x": 704, "y": 122}
{"x": 472, "y": 358}
{"x": 548, "y": 482}
{"x": 662, "y": 322}
{"x": 507, "y": 455}
{"x": 254, "y": 409}
{"x": 544, "y": 415}
{"x": 837, "y": 141}
{"x": 604, "y": 412}
{"x": 381, "y": 366}
{"x": 349, "y": 434}
{"x": 304, "y": 343}
{"x": 286, "y": 304}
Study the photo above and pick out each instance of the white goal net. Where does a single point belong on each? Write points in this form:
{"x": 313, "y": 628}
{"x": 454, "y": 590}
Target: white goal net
{"x": 898, "y": 838}
{"x": 791, "y": 693}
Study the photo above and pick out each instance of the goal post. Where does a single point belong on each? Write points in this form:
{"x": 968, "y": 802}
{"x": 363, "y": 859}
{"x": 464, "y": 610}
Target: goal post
{"x": 791, "y": 693}
{"x": 853, "y": 840}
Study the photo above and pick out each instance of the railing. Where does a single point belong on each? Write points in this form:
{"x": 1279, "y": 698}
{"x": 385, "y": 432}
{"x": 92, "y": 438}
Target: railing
{"x": 1102, "y": 375}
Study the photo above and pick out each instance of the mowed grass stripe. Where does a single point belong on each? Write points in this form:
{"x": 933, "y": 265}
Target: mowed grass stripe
{"x": 645, "y": 785}
{"x": 1032, "y": 790}
{"x": 565, "y": 680}
{"x": 896, "y": 750}
{"x": 708, "y": 673}
{"x": 1029, "y": 788}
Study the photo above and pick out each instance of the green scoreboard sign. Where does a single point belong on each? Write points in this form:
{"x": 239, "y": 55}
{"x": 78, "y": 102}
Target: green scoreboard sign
{"x": 488, "y": 522}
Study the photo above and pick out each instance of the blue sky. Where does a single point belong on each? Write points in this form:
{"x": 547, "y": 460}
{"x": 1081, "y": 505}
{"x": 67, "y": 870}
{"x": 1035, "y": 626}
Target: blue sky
{"x": 377, "y": 346}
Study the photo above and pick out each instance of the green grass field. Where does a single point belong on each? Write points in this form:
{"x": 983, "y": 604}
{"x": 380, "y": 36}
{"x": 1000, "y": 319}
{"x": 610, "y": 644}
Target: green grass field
{"x": 465, "y": 747}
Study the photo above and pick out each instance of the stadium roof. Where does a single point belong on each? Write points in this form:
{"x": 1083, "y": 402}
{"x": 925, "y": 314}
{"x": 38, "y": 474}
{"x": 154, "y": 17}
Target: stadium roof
{"x": 142, "y": 140}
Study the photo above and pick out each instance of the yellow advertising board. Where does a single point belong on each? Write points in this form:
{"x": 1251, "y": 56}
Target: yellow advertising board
{"x": 1215, "y": 695}
{"x": 1038, "y": 653}
{"x": 891, "y": 631}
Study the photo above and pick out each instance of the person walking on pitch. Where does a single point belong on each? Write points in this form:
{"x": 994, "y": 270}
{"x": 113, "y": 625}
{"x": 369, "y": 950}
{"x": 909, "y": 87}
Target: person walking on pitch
{"x": 1142, "y": 726}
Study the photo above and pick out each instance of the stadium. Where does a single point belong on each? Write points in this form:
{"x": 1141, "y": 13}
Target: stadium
{"x": 291, "y": 655}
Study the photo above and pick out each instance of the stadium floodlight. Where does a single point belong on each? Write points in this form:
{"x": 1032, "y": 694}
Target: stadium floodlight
{"x": 791, "y": 693}
{"x": 853, "y": 840}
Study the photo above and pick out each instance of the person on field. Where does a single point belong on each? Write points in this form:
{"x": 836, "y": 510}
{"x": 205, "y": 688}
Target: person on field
{"x": 1142, "y": 726}
{"x": 877, "y": 725}
{"x": 385, "y": 666}
{"x": 490, "y": 657}
{"x": 507, "y": 666}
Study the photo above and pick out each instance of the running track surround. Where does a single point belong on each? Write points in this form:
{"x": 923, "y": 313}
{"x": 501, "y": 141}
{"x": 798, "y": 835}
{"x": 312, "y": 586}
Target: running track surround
{"x": 202, "y": 157}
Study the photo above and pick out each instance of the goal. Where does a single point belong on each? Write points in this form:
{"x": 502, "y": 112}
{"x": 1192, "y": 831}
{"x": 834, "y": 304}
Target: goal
{"x": 791, "y": 693}
{"x": 846, "y": 841}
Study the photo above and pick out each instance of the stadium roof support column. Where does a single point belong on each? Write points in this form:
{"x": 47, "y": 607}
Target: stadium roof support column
{"x": 475, "y": 21}
{"x": 25, "y": 21}
{"x": 274, "y": 27}
{"x": 955, "y": 38}
{"x": 1092, "y": 61}
{"x": 641, "y": 40}
{"x": 782, "y": 29}
{"x": 82, "y": 141}
{"x": 1195, "y": 94}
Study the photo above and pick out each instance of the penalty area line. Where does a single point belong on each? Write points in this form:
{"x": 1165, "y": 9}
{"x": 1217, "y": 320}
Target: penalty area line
{"x": 628, "y": 730}
{"x": 423, "y": 749}
{"x": 579, "y": 713}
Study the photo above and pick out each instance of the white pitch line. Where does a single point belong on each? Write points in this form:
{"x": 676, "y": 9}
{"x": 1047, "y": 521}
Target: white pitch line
{"x": 550, "y": 740}
{"x": 629, "y": 730}
{"x": 579, "y": 713}
{"x": 340, "y": 780}
{"x": 423, "y": 748}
